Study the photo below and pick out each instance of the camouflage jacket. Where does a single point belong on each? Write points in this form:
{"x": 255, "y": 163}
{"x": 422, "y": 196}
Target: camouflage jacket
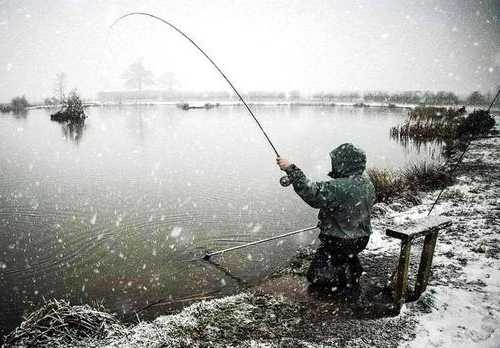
{"x": 344, "y": 202}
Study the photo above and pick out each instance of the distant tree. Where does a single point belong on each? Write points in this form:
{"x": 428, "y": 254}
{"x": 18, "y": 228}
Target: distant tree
{"x": 428, "y": 97}
{"x": 50, "y": 101}
{"x": 348, "y": 96}
{"x": 475, "y": 98}
{"x": 60, "y": 86}
{"x": 137, "y": 77}
{"x": 19, "y": 104}
{"x": 417, "y": 97}
{"x": 167, "y": 80}
{"x": 265, "y": 95}
{"x": 74, "y": 105}
{"x": 318, "y": 95}
{"x": 294, "y": 95}
{"x": 376, "y": 96}
{"x": 445, "y": 98}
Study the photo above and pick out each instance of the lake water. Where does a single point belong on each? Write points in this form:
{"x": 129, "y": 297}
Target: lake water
{"x": 113, "y": 210}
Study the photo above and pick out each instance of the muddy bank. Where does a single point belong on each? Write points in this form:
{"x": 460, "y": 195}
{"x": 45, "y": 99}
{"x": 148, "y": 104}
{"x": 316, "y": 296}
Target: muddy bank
{"x": 459, "y": 308}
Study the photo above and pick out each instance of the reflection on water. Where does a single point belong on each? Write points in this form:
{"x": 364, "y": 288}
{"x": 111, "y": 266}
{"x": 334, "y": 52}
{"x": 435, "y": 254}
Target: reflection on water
{"x": 73, "y": 130}
{"x": 20, "y": 114}
{"x": 116, "y": 217}
{"x": 431, "y": 149}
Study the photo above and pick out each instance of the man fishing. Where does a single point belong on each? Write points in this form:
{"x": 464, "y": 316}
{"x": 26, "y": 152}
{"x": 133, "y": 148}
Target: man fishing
{"x": 344, "y": 204}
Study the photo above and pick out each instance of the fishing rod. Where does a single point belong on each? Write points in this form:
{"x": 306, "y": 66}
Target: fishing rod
{"x": 284, "y": 181}
{"x": 457, "y": 164}
{"x": 494, "y": 100}
{"x": 210, "y": 254}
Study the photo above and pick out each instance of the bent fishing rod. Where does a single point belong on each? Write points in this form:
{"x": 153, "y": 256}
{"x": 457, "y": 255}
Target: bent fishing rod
{"x": 284, "y": 181}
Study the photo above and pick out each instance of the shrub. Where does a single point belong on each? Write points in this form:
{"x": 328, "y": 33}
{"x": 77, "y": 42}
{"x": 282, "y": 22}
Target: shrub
{"x": 5, "y": 108}
{"x": 427, "y": 113}
{"x": 72, "y": 109}
{"x": 477, "y": 122}
{"x": 425, "y": 176}
{"x": 19, "y": 104}
{"x": 51, "y": 101}
{"x": 476, "y": 98}
{"x": 431, "y": 123}
{"x": 73, "y": 105}
{"x": 388, "y": 184}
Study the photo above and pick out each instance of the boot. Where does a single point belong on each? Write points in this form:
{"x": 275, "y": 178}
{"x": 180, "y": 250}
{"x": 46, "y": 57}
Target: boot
{"x": 322, "y": 272}
{"x": 355, "y": 270}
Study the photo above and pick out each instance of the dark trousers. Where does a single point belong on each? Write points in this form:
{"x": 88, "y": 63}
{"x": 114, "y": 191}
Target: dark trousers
{"x": 336, "y": 264}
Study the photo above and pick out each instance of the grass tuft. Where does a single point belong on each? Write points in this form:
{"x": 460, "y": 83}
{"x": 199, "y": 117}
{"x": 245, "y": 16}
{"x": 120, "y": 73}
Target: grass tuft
{"x": 422, "y": 176}
{"x": 58, "y": 324}
{"x": 425, "y": 176}
{"x": 387, "y": 184}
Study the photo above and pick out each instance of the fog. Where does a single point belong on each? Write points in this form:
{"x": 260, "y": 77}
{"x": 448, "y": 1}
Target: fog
{"x": 261, "y": 45}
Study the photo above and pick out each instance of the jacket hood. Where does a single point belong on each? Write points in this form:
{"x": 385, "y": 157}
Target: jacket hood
{"x": 347, "y": 160}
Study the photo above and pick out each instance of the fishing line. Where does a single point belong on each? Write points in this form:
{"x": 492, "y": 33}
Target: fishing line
{"x": 209, "y": 59}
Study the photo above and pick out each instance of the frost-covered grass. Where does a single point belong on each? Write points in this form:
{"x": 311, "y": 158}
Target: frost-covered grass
{"x": 221, "y": 322}
{"x": 425, "y": 176}
{"x": 226, "y": 321}
{"x": 58, "y": 324}
{"x": 403, "y": 184}
{"x": 387, "y": 183}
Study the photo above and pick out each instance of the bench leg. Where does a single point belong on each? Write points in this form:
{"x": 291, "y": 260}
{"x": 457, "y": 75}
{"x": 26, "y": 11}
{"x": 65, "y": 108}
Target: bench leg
{"x": 425, "y": 264}
{"x": 402, "y": 273}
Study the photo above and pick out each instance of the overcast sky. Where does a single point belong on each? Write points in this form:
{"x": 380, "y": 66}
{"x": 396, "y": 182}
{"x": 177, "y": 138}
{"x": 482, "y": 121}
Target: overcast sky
{"x": 308, "y": 45}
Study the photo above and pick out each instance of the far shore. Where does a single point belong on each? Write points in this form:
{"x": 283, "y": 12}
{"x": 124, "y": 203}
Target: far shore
{"x": 360, "y": 105}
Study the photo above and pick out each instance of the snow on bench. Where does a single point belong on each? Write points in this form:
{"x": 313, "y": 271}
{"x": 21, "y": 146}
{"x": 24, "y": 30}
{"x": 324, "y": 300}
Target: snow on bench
{"x": 420, "y": 227}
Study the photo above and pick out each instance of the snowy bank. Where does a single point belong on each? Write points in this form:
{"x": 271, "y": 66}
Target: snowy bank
{"x": 462, "y": 302}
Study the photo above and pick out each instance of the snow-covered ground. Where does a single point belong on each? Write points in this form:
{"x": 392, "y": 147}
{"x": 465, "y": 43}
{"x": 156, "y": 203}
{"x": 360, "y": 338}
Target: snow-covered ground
{"x": 464, "y": 292}
{"x": 465, "y": 287}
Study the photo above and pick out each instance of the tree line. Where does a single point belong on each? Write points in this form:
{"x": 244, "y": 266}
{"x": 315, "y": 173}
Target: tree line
{"x": 137, "y": 77}
{"x": 410, "y": 97}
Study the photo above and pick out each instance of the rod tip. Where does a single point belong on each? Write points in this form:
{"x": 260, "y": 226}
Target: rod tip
{"x": 206, "y": 257}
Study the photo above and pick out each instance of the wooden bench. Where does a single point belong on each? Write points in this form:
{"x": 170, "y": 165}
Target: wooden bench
{"x": 407, "y": 233}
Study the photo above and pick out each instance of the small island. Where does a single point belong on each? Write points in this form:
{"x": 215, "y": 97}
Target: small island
{"x": 72, "y": 110}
